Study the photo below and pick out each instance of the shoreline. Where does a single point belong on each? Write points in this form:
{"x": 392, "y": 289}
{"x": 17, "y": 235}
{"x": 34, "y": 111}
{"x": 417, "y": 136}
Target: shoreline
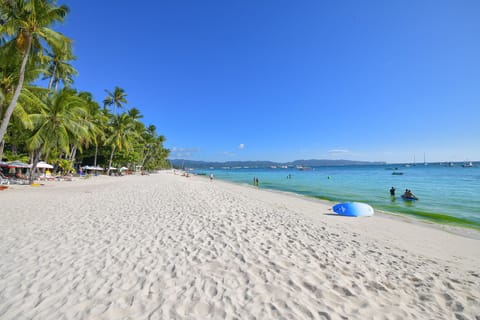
{"x": 166, "y": 247}
{"x": 464, "y": 231}
{"x": 454, "y": 203}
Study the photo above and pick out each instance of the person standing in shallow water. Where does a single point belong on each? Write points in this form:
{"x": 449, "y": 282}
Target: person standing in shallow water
{"x": 392, "y": 191}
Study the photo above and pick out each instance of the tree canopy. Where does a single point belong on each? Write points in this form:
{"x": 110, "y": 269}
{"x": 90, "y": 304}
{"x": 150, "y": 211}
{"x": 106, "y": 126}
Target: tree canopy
{"x": 56, "y": 123}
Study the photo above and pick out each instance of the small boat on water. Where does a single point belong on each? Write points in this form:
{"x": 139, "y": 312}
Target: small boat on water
{"x": 397, "y": 173}
{"x": 467, "y": 165}
{"x": 302, "y": 168}
{"x": 409, "y": 198}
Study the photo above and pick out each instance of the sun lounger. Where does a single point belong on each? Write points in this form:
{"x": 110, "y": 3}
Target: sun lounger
{"x": 3, "y": 179}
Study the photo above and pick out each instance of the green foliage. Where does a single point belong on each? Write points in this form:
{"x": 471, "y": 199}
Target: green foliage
{"x": 58, "y": 123}
{"x": 65, "y": 166}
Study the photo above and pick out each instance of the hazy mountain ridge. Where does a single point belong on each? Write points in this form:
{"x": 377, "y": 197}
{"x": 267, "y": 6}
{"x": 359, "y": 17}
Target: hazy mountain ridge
{"x": 182, "y": 163}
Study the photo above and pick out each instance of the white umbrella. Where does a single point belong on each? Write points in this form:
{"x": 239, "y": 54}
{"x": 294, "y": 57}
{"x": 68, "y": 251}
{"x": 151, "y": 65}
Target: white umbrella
{"x": 44, "y": 165}
{"x": 92, "y": 168}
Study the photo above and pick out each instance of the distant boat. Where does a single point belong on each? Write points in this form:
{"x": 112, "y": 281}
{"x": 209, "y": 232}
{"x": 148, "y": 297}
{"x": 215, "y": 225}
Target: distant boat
{"x": 302, "y": 168}
{"x": 396, "y": 173}
{"x": 467, "y": 164}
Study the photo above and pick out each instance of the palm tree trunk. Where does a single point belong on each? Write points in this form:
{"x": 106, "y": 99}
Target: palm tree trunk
{"x": 36, "y": 159}
{"x": 50, "y": 83}
{"x": 96, "y": 154}
{"x": 73, "y": 154}
{"x": 145, "y": 158}
{"x": 16, "y": 94}
{"x": 111, "y": 158}
{"x": 2, "y": 145}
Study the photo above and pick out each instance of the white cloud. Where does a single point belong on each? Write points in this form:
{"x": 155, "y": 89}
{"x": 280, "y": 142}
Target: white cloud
{"x": 241, "y": 146}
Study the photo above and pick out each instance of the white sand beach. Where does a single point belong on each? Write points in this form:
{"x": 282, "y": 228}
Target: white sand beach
{"x": 168, "y": 247}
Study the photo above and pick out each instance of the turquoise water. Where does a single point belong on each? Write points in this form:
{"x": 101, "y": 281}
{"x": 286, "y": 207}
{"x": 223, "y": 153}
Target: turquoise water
{"x": 446, "y": 194}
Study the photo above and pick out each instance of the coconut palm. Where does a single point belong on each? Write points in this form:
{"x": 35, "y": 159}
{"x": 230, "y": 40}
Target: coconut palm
{"x": 117, "y": 99}
{"x": 27, "y": 23}
{"x": 9, "y": 67}
{"x": 121, "y": 135}
{"x": 98, "y": 118}
{"x": 59, "y": 70}
{"x": 60, "y": 120}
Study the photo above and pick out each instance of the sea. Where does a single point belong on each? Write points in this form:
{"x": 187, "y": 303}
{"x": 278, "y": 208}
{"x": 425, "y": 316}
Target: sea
{"x": 447, "y": 193}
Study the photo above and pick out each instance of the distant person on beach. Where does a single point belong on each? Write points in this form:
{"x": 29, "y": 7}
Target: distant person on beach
{"x": 256, "y": 182}
{"x": 392, "y": 191}
{"x": 211, "y": 176}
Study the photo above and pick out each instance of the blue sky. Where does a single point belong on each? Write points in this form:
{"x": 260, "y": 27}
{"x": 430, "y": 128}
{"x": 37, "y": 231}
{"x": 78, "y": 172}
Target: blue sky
{"x": 284, "y": 80}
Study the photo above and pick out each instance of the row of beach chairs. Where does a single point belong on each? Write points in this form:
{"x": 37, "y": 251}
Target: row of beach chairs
{"x": 21, "y": 179}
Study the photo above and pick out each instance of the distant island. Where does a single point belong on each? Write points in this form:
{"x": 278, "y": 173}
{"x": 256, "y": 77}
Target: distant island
{"x": 183, "y": 163}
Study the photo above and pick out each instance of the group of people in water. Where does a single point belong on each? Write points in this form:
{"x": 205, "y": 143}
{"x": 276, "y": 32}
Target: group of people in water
{"x": 407, "y": 194}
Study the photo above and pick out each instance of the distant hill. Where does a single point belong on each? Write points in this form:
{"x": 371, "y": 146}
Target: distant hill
{"x": 182, "y": 163}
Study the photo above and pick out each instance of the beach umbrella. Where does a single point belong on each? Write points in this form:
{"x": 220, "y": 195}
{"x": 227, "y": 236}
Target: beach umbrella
{"x": 18, "y": 164}
{"x": 123, "y": 168}
{"x": 92, "y": 168}
{"x": 3, "y": 164}
{"x": 44, "y": 165}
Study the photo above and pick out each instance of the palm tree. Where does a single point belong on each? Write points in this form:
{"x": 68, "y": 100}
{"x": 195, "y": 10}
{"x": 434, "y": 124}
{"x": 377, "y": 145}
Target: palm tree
{"x": 98, "y": 118}
{"x": 92, "y": 123}
{"x": 59, "y": 70}
{"x": 27, "y": 23}
{"x": 9, "y": 67}
{"x": 116, "y": 98}
{"x": 59, "y": 121}
{"x": 122, "y": 134}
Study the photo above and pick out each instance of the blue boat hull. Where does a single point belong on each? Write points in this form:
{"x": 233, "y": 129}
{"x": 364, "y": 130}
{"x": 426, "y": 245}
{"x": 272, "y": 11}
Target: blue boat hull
{"x": 353, "y": 209}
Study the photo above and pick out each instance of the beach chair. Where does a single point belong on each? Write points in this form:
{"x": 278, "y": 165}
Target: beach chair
{"x": 4, "y": 179}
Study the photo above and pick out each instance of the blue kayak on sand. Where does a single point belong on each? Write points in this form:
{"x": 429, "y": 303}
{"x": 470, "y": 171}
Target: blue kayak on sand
{"x": 353, "y": 209}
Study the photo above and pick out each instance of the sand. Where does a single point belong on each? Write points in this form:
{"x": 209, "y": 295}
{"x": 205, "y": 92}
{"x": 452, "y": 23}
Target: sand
{"x": 168, "y": 247}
